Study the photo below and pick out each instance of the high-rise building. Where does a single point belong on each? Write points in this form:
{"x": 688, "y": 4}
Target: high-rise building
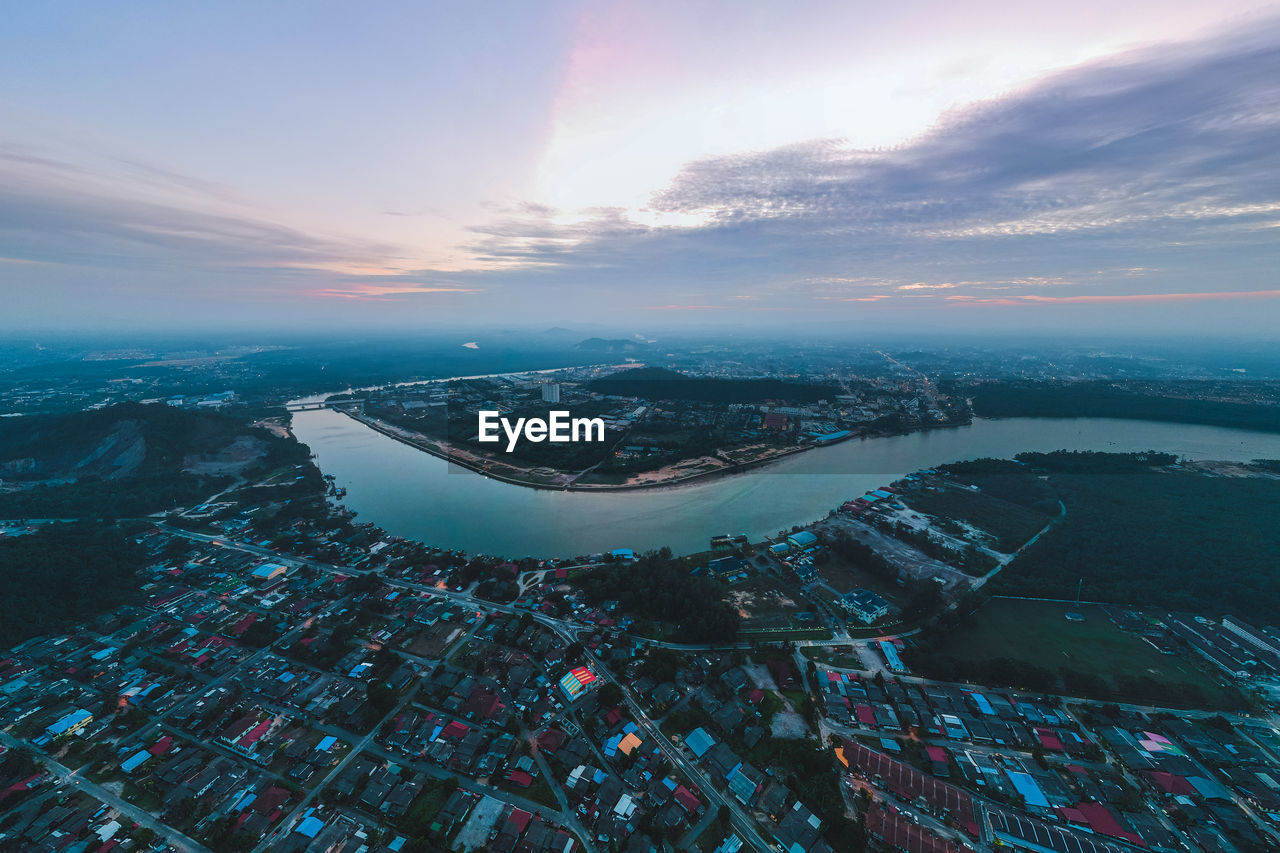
{"x": 551, "y": 392}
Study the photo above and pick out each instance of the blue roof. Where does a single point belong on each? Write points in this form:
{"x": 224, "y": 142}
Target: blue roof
{"x": 326, "y": 744}
{"x": 69, "y": 722}
{"x": 699, "y": 741}
{"x": 1028, "y": 788}
{"x": 804, "y": 537}
{"x": 310, "y": 827}
{"x": 891, "y": 656}
{"x": 136, "y": 761}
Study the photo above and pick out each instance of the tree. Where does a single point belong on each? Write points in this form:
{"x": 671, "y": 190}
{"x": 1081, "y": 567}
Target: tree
{"x": 610, "y": 694}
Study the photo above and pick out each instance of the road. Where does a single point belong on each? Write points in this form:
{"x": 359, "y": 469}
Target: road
{"x": 139, "y": 816}
{"x": 568, "y": 630}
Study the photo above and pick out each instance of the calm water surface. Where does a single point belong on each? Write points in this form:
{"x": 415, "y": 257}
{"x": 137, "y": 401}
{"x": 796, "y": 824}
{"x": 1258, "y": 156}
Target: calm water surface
{"x": 410, "y": 493}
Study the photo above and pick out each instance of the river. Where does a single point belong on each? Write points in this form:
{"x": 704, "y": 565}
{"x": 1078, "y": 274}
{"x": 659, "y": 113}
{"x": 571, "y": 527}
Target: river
{"x": 416, "y": 495}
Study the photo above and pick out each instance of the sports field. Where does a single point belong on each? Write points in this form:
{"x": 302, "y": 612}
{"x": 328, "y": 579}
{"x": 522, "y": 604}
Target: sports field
{"x": 1038, "y": 633}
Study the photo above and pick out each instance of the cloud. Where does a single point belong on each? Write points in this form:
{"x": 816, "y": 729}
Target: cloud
{"x": 55, "y": 210}
{"x": 1151, "y": 177}
{"x": 1159, "y": 159}
{"x": 1121, "y": 298}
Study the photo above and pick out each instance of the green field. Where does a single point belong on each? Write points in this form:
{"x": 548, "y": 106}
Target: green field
{"x": 1032, "y": 644}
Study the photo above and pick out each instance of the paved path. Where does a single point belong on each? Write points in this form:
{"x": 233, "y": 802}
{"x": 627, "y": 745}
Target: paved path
{"x": 72, "y": 778}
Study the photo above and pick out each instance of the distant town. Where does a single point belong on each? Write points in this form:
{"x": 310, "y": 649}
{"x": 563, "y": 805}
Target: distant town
{"x": 236, "y": 662}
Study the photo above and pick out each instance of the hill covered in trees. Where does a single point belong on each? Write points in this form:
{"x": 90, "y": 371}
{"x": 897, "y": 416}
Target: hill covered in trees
{"x": 656, "y": 383}
{"x": 1142, "y": 533}
{"x": 129, "y": 459}
{"x": 62, "y": 574}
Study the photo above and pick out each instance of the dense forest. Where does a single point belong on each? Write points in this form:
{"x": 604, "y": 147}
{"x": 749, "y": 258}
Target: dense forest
{"x": 123, "y": 460}
{"x": 62, "y": 574}
{"x": 655, "y": 383}
{"x": 658, "y": 589}
{"x": 1140, "y": 533}
{"x": 1104, "y": 400}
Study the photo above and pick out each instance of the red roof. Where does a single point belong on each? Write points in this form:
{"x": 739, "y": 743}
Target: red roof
{"x": 756, "y": 696}
{"x": 161, "y": 746}
{"x": 866, "y": 716}
{"x": 936, "y": 753}
{"x": 243, "y": 625}
{"x": 455, "y": 729}
{"x": 254, "y": 734}
{"x": 1171, "y": 784}
{"x": 519, "y": 777}
{"x": 686, "y": 799}
{"x": 1071, "y": 815}
{"x": 270, "y": 799}
{"x": 614, "y": 716}
{"x": 484, "y": 703}
{"x": 551, "y": 740}
{"x": 520, "y": 818}
{"x": 1103, "y": 821}
{"x": 1049, "y": 740}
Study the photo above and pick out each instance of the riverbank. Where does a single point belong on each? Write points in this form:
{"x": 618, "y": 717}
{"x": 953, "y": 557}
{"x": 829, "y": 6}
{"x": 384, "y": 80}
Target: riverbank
{"x": 462, "y": 461}
{"x": 418, "y": 495}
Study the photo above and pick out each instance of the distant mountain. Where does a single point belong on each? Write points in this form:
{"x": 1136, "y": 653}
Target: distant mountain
{"x": 618, "y": 346}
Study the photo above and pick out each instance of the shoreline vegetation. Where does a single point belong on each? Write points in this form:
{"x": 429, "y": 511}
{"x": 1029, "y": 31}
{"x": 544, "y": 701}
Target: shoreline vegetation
{"x": 516, "y": 476}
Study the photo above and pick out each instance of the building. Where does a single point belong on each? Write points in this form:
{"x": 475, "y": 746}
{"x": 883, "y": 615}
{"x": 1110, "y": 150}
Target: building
{"x": 864, "y": 605}
{"x": 551, "y": 392}
{"x": 802, "y": 540}
{"x": 575, "y": 682}
{"x": 1251, "y": 635}
{"x": 70, "y": 724}
{"x": 776, "y": 421}
{"x": 268, "y": 571}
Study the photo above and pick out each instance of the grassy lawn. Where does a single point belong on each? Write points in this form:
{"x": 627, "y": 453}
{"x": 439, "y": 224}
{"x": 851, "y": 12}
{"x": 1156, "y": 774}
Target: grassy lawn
{"x": 1037, "y": 632}
{"x": 774, "y": 635}
{"x": 824, "y": 654}
{"x": 540, "y": 791}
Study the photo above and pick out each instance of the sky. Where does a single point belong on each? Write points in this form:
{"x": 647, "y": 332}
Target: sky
{"x": 977, "y": 166}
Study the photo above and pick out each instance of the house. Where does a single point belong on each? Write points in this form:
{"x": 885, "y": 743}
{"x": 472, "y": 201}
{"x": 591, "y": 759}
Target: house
{"x": 802, "y": 540}
{"x": 864, "y": 605}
